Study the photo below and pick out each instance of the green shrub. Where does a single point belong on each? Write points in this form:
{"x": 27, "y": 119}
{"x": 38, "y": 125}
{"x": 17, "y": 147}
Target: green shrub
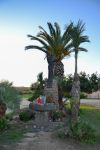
{"x": 3, "y": 123}
{"x": 98, "y": 115}
{"x": 24, "y": 116}
{"x": 9, "y": 95}
{"x": 83, "y": 95}
{"x": 83, "y": 132}
{"x": 9, "y": 116}
{"x": 67, "y": 94}
{"x": 56, "y": 115}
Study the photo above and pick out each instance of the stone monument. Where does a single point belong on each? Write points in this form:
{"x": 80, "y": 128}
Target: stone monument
{"x": 52, "y": 91}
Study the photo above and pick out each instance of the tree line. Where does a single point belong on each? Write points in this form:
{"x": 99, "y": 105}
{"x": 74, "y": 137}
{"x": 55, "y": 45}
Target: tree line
{"x": 88, "y": 83}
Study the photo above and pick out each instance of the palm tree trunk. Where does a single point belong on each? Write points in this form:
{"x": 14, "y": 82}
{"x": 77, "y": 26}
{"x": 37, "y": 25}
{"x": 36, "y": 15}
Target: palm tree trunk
{"x": 75, "y": 63}
{"x": 75, "y": 93}
{"x": 75, "y": 101}
{"x": 59, "y": 69}
{"x": 50, "y": 60}
{"x": 60, "y": 96}
{"x": 59, "y": 73}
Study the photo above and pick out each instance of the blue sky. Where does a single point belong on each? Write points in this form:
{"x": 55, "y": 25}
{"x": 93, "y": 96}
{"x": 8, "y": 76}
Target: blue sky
{"x": 21, "y": 17}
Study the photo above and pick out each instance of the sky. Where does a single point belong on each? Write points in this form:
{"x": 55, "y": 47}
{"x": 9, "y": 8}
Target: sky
{"x": 18, "y": 18}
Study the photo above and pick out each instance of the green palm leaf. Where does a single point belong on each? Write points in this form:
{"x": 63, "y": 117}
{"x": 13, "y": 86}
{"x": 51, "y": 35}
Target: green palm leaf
{"x": 35, "y": 47}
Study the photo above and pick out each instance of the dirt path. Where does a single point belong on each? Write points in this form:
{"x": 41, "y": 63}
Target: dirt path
{"x": 46, "y": 141}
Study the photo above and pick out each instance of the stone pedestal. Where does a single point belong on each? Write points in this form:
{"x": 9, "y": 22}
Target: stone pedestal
{"x": 52, "y": 91}
{"x": 41, "y": 118}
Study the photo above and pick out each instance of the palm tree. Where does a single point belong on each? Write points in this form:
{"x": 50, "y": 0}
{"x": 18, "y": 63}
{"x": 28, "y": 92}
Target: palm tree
{"x": 77, "y": 39}
{"x": 54, "y": 45}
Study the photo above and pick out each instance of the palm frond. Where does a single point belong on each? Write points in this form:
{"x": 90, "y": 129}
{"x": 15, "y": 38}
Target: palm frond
{"x": 29, "y": 36}
{"x": 35, "y": 47}
{"x": 47, "y": 38}
{"x": 80, "y": 26}
{"x": 51, "y": 29}
{"x": 41, "y": 41}
{"x": 41, "y": 28}
{"x": 68, "y": 30}
{"x": 83, "y": 39}
{"x": 58, "y": 31}
{"x": 68, "y": 47}
{"x": 82, "y": 49}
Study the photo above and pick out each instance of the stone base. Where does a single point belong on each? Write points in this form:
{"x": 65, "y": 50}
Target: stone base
{"x": 52, "y": 91}
{"x": 41, "y": 119}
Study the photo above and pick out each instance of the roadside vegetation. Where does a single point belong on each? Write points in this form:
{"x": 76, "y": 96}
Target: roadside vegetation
{"x": 88, "y": 114}
{"x": 9, "y": 95}
{"x": 87, "y": 129}
{"x": 12, "y": 135}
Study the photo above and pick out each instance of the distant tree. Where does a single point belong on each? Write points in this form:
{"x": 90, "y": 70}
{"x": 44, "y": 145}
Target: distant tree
{"x": 67, "y": 85}
{"x": 88, "y": 83}
{"x": 38, "y": 87}
{"x": 40, "y": 79}
{"x": 33, "y": 86}
{"x": 85, "y": 85}
{"x": 99, "y": 82}
{"x": 94, "y": 81}
{"x": 9, "y": 95}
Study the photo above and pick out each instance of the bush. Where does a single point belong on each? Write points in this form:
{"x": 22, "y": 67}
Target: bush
{"x": 9, "y": 95}
{"x": 26, "y": 115}
{"x": 56, "y": 115}
{"x": 83, "y": 95}
{"x": 9, "y": 116}
{"x": 3, "y": 123}
{"x": 67, "y": 94}
{"x": 83, "y": 132}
